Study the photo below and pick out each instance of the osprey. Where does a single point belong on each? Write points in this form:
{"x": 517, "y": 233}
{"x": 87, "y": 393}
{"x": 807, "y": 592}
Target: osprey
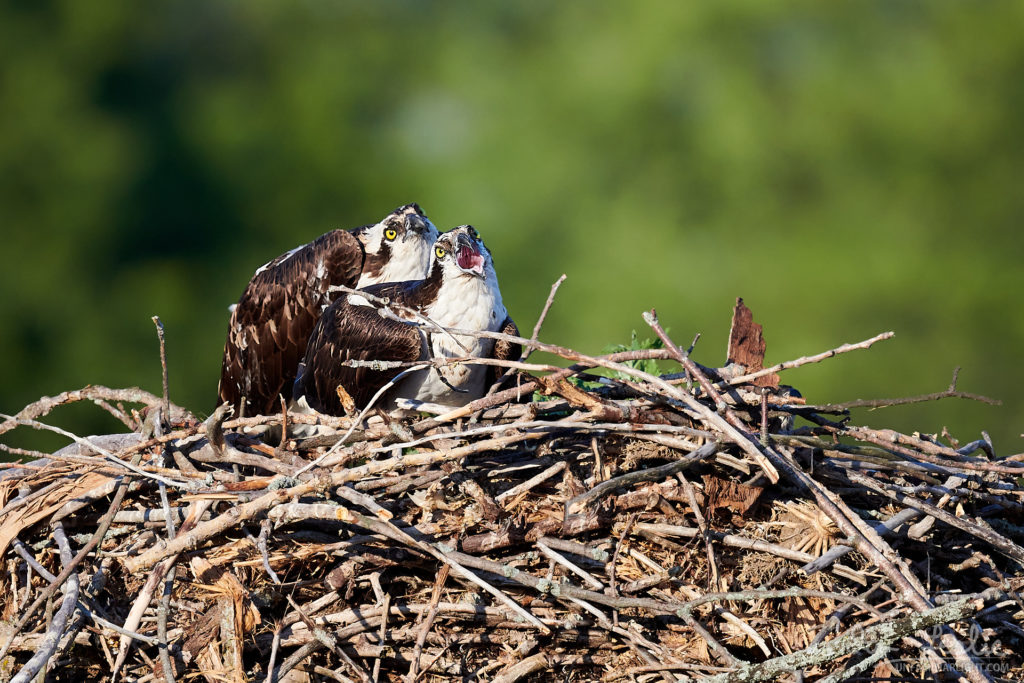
{"x": 460, "y": 291}
{"x": 270, "y": 324}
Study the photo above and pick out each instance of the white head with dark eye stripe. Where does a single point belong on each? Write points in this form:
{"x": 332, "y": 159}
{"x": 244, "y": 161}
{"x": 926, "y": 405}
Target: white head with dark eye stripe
{"x": 461, "y": 253}
{"x": 398, "y": 247}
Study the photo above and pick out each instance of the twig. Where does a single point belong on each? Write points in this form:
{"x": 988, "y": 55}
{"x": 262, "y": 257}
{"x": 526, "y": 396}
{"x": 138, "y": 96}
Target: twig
{"x": 163, "y": 366}
{"x": 386, "y": 608}
{"x": 204, "y": 530}
{"x": 70, "y": 567}
{"x": 391, "y": 531}
{"x": 354, "y": 621}
{"x": 522, "y": 668}
{"x": 275, "y": 645}
{"x": 428, "y": 621}
{"x": 561, "y": 590}
{"x": 568, "y": 423}
{"x": 880, "y": 651}
{"x": 528, "y": 350}
{"x": 21, "y": 452}
{"x": 161, "y": 626}
{"x": 261, "y": 543}
{"x": 168, "y": 586}
{"x": 532, "y": 482}
{"x": 703, "y": 527}
{"x": 845, "y": 348}
{"x": 430, "y": 458}
{"x": 587, "y": 577}
{"x": 626, "y": 529}
{"x": 869, "y": 543}
{"x": 362, "y": 415}
{"x": 582, "y": 501}
{"x": 735, "y": 541}
{"x": 304, "y": 652}
{"x": 951, "y": 392}
{"x": 731, "y": 423}
{"x": 131, "y": 466}
{"x": 841, "y": 646}
{"x": 959, "y": 462}
{"x": 590, "y": 552}
{"x": 993, "y": 538}
{"x": 284, "y": 423}
{"x": 155, "y": 579}
{"x": 60, "y": 619}
{"x": 330, "y": 641}
{"x": 516, "y": 392}
{"x": 43, "y": 406}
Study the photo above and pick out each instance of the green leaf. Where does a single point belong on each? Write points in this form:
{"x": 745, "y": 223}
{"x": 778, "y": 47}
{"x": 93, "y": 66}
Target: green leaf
{"x": 649, "y": 366}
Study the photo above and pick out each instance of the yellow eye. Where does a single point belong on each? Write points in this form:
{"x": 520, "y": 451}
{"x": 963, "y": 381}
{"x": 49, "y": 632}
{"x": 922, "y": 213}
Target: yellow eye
{"x": 440, "y": 252}
{"x": 390, "y": 234}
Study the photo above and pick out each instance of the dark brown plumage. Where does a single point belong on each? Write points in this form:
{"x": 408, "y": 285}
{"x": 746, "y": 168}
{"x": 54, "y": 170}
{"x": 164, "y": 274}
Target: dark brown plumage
{"x": 504, "y": 350}
{"x": 350, "y": 332}
{"x": 270, "y": 326}
{"x": 353, "y": 329}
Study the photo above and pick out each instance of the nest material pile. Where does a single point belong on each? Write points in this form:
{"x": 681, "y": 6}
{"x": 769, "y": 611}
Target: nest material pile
{"x": 568, "y": 526}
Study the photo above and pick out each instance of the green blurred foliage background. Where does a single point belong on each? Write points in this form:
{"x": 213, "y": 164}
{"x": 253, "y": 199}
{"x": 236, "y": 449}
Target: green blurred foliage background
{"x": 846, "y": 167}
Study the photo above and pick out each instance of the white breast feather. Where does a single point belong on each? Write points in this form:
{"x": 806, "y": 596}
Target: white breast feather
{"x": 465, "y": 303}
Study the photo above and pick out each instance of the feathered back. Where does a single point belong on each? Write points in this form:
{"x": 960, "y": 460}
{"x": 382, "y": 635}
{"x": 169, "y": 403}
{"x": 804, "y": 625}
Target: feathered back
{"x": 271, "y": 324}
{"x": 355, "y": 331}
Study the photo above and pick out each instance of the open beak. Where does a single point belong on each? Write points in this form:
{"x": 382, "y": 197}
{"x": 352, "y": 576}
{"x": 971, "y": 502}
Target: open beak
{"x": 468, "y": 256}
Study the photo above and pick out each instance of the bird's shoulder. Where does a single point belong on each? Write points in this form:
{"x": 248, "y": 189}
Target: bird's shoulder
{"x": 354, "y": 327}
{"x": 405, "y": 293}
{"x": 505, "y": 349}
{"x": 300, "y": 279}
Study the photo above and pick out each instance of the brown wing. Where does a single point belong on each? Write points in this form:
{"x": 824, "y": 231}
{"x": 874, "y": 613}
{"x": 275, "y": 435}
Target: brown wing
{"x": 270, "y": 326}
{"x": 351, "y": 332}
{"x": 504, "y": 350}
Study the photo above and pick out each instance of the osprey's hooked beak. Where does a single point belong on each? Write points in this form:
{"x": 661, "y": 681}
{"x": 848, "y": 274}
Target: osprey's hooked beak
{"x": 468, "y": 256}
{"x": 417, "y": 224}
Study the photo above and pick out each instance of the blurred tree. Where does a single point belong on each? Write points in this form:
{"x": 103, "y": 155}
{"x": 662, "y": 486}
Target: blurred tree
{"x": 847, "y": 168}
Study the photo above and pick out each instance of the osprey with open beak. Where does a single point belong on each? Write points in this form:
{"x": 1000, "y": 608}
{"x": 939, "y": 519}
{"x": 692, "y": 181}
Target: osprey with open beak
{"x": 271, "y": 323}
{"x": 460, "y": 292}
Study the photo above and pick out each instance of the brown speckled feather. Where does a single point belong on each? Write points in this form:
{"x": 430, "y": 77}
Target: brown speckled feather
{"x": 351, "y": 332}
{"x": 271, "y": 324}
{"x": 504, "y": 350}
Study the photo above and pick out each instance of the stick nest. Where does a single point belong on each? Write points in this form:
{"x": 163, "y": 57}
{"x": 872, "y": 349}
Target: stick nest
{"x": 639, "y": 526}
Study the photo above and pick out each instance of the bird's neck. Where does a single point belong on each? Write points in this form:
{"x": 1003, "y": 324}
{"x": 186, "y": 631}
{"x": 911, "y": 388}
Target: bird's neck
{"x": 468, "y": 302}
{"x": 402, "y": 262}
